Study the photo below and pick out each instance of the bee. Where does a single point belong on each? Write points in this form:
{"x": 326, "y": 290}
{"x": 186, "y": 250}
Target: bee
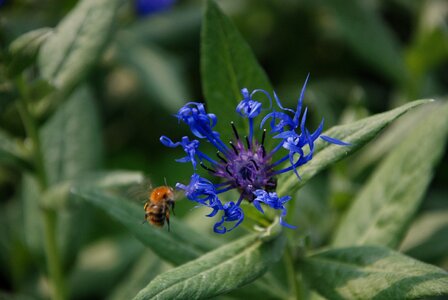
{"x": 159, "y": 204}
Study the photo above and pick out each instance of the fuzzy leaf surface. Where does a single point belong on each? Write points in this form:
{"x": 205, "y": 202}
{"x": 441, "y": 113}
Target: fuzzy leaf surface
{"x": 383, "y": 209}
{"x": 369, "y": 272}
{"x": 217, "y": 272}
{"x": 77, "y": 42}
{"x": 71, "y": 139}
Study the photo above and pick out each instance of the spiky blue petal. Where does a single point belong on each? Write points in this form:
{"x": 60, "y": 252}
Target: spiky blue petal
{"x": 334, "y": 141}
{"x": 190, "y": 148}
{"x": 272, "y": 200}
{"x": 232, "y": 213}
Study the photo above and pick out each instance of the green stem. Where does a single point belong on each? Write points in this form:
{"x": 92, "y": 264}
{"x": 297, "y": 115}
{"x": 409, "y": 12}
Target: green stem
{"x": 291, "y": 274}
{"x": 51, "y": 249}
{"x": 32, "y": 133}
{"x": 53, "y": 257}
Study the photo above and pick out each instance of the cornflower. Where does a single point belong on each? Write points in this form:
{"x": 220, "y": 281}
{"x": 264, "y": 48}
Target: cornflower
{"x": 148, "y": 7}
{"x": 244, "y": 164}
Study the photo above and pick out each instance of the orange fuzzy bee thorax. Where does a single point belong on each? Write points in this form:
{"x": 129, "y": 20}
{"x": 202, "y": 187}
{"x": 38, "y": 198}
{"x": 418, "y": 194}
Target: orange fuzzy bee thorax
{"x": 161, "y": 193}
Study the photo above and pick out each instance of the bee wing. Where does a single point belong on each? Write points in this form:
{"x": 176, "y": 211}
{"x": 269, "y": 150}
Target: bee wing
{"x": 139, "y": 192}
{"x": 178, "y": 195}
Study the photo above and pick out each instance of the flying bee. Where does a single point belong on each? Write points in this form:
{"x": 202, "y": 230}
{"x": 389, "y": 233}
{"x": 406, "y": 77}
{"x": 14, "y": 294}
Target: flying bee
{"x": 159, "y": 205}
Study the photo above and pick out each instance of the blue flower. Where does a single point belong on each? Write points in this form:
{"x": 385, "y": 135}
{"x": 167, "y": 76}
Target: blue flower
{"x": 244, "y": 164}
{"x": 189, "y": 147}
{"x": 232, "y": 213}
{"x": 272, "y": 200}
{"x": 149, "y": 7}
{"x": 200, "y": 190}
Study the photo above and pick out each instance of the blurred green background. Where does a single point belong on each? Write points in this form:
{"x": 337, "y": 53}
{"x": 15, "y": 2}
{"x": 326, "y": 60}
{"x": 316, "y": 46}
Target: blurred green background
{"x": 364, "y": 57}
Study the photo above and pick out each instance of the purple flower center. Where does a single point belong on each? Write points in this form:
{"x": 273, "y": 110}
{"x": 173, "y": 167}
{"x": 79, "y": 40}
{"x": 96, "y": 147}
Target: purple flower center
{"x": 246, "y": 167}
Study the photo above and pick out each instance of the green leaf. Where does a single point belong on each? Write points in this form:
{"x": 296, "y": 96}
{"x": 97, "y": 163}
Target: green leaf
{"x": 426, "y": 239}
{"x": 217, "y": 272}
{"x": 372, "y": 273}
{"x": 24, "y": 49}
{"x": 77, "y": 43}
{"x": 71, "y": 146}
{"x": 382, "y": 210}
{"x": 161, "y": 30}
{"x": 102, "y": 265}
{"x": 145, "y": 269}
{"x": 388, "y": 140}
{"x": 367, "y": 35}
{"x": 11, "y": 152}
{"x": 57, "y": 196}
{"x": 227, "y": 65}
{"x": 265, "y": 287}
{"x": 358, "y": 134}
{"x": 157, "y": 72}
{"x": 71, "y": 139}
{"x": 180, "y": 245}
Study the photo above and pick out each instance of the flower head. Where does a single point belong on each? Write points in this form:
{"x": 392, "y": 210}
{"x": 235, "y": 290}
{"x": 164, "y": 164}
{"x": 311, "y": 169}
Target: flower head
{"x": 244, "y": 164}
{"x": 149, "y": 7}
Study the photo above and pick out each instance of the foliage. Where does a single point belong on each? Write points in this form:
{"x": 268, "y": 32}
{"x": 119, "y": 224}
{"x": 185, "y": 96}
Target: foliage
{"x": 88, "y": 87}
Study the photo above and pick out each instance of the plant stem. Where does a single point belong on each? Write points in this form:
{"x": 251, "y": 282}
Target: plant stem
{"x": 291, "y": 273}
{"x": 33, "y": 134}
{"x": 53, "y": 257}
{"x": 51, "y": 249}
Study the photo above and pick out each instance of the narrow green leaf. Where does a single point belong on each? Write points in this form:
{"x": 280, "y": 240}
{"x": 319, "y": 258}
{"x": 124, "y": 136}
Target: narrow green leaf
{"x": 217, "y": 272}
{"x": 382, "y": 210}
{"x": 180, "y": 245}
{"x": 367, "y": 35}
{"x": 358, "y": 134}
{"x": 71, "y": 139}
{"x": 77, "y": 42}
{"x": 372, "y": 273}
{"x": 24, "y": 49}
{"x": 11, "y": 152}
{"x": 227, "y": 65}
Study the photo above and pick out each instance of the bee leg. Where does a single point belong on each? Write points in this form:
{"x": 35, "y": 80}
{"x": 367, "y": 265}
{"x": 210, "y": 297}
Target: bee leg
{"x": 172, "y": 207}
{"x": 144, "y": 220}
{"x": 167, "y": 216}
